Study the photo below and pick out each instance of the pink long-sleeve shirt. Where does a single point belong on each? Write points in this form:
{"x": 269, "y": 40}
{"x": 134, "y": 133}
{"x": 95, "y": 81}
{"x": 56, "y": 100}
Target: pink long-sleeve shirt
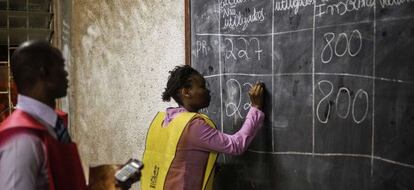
{"x": 198, "y": 140}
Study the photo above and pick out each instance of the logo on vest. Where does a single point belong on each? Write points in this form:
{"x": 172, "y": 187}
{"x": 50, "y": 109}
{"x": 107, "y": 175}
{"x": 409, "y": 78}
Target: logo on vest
{"x": 154, "y": 177}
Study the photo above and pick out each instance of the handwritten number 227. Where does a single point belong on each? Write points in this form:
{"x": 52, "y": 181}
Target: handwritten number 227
{"x": 243, "y": 52}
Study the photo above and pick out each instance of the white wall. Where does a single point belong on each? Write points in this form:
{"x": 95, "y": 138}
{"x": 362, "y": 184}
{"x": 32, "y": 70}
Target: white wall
{"x": 120, "y": 57}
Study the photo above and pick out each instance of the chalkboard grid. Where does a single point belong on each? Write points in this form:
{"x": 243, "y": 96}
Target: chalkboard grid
{"x": 340, "y": 90}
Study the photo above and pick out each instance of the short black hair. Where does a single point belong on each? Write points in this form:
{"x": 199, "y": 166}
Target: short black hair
{"x": 180, "y": 77}
{"x": 30, "y": 60}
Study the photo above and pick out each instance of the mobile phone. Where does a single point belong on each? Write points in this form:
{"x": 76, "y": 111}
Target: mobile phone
{"x": 132, "y": 167}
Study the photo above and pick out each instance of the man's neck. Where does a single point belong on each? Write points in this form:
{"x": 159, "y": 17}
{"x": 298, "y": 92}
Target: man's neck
{"x": 49, "y": 102}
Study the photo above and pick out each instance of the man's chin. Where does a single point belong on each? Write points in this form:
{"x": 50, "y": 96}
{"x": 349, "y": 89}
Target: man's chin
{"x": 62, "y": 95}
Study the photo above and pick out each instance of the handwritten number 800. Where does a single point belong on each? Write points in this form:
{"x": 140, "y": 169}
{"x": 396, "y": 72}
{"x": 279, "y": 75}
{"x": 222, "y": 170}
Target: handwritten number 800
{"x": 326, "y": 89}
{"x": 331, "y": 48}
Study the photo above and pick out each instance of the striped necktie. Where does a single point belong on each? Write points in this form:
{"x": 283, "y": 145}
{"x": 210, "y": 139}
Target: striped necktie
{"x": 61, "y": 131}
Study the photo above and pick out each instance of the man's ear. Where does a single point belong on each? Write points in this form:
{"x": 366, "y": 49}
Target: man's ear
{"x": 43, "y": 73}
{"x": 185, "y": 92}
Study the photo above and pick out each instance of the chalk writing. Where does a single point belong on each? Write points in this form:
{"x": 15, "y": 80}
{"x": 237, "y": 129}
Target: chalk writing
{"x": 294, "y": 5}
{"x": 389, "y": 3}
{"x": 343, "y": 92}
{"x": 328, "y": 51}
{"x": 234, "y": 19}
{"x": 326, "y": 96}
{"x": 229, "y": 53}
{"x": 228, "y": 12}
{"x": 342, "y": 7}
{"x": 359, "y": 36}
{"x": 343, "y": 96}
{"x": 258, "y": 50}
{"x": 230, "y": 3}
{"x": 242, "y": 52}
{"x": 361, "y": 94}
{"x": 234, "y": 92}
{"x": 201, "y": 47}
{"x": 204, "y": 110}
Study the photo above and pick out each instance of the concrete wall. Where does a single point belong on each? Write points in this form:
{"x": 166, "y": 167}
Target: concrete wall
{"x": 120, "y": 57}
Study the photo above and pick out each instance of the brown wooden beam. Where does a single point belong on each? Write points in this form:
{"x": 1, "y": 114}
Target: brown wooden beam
{"x": 187, "y": 32}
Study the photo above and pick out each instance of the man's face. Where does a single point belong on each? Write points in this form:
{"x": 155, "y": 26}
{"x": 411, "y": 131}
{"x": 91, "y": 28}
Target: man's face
{"x": 57, "y": 77}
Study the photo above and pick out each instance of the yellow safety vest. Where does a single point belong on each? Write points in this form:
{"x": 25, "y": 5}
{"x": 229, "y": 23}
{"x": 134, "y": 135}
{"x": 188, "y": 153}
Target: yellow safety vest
{"x": 160, "y": 150}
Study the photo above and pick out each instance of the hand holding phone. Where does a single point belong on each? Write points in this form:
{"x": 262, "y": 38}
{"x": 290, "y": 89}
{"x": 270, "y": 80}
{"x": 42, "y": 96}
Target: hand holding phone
{"x": 129, "y": 173}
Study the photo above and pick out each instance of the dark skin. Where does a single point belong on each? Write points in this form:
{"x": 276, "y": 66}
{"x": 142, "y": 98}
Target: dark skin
{"x": 51, "y": 84}
{"x": 198, "y": 96}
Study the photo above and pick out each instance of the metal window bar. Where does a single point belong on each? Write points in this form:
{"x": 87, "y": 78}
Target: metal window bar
{"x": 10, "y": 46}
{"x": 9, "y": 94}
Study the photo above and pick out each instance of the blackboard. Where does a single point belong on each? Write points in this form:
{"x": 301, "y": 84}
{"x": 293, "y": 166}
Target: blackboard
{"x": 339, "y": 78}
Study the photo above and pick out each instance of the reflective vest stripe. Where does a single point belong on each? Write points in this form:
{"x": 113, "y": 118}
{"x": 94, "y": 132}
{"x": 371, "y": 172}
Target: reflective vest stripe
{"x": 212, "y": 157}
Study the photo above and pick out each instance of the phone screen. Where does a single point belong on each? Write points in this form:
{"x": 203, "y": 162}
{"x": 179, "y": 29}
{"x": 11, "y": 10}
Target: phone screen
{"x": 128, "y": 170}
